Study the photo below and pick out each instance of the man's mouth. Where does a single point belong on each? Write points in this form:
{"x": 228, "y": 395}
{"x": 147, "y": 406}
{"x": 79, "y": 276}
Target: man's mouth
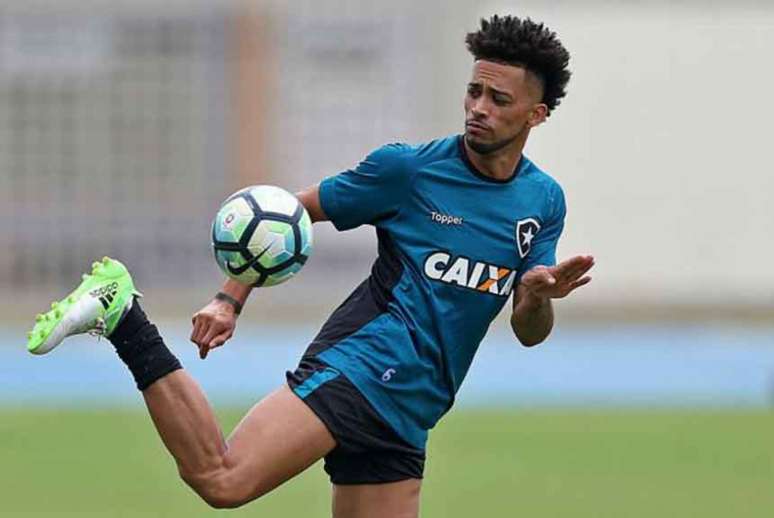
{"x": 477, "y": 125}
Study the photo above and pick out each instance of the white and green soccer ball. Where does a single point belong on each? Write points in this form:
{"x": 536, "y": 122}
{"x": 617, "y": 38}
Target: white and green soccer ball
{"x": 261, "y": 236}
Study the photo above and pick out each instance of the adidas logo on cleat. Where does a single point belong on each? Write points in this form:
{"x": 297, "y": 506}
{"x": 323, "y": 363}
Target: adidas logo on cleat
{"x": 105, "y": 294}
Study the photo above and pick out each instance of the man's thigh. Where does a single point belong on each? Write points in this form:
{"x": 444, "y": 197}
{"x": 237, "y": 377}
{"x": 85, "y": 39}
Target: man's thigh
{"x": 390, "y": 500}
{"x": 277, "y": 439}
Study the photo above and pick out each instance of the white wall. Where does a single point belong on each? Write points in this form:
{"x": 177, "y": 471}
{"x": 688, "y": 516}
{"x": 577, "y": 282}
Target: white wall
{"x": 662, "y": 143}
{"x": 663, "y": 148}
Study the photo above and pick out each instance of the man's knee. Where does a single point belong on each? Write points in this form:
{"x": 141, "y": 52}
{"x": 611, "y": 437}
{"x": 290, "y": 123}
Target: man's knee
{"x": 221, "y": 489}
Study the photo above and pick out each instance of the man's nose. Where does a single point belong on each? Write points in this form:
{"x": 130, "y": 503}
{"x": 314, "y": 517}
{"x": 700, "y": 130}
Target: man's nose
{"x": 480, "y": 108}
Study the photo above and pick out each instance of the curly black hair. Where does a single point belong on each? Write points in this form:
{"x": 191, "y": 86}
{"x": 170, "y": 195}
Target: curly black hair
{"x": 527, "y": 44}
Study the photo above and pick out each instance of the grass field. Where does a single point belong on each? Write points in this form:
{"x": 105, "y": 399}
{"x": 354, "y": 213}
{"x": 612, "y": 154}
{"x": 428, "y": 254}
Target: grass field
{"x": 481, "y": 464}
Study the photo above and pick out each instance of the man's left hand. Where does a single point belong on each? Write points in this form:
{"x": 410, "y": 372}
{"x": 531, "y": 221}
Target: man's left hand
{"x": 556, "y": 282}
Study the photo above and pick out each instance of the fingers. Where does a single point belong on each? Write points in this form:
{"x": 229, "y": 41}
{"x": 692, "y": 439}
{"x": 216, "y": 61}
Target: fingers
{"x": 199, "y": 329}
{"x": 580, "y": 282}
{"x": 202, "y": 326}
{"x": 216, "y": 335}
{"x": 220, "y": 339}
{"x": 205, "y": 343}
{"x": 560, "y": 280}
{"x": 580, "y": 271}
{"x": 573, "y": 268}
{"x": 198, "y": 325}
{"x": 215, "y": 342}
{"x": 210, "y": 330}
{"x": 576, "y": 262}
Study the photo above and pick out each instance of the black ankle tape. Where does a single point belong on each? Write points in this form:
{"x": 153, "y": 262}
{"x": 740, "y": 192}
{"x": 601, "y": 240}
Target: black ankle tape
{"x": 140, "y": 346}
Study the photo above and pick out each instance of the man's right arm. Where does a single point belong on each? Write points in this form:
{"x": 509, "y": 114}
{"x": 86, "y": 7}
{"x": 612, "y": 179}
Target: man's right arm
{"x": 215, "y": 322}
{"x": 371, "y": 192}
{"x": 310, "y": 199}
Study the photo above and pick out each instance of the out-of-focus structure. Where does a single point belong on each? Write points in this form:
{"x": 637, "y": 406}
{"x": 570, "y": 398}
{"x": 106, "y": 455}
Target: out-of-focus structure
{"x": 123, "y": 125}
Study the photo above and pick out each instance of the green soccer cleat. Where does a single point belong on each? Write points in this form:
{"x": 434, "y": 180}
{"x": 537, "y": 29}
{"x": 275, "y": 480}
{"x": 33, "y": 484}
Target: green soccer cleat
{"x": 95, "y": 307}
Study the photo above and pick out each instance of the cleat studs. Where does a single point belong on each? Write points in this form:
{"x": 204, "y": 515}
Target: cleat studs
{"x": 54, "y": 305}
{"x": 70, "y": 299}
{"x": 106, "y": 260}
{"x": 57, "y": 314}
{"x": 38, "y": 318}
{"x": 29, "y": 335}
{"x": 84, "y": 276}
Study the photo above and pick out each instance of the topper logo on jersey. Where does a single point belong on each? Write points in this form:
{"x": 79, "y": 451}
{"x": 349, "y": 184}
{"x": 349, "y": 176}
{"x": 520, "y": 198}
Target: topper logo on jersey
{"x": 474, "y": 275}
{"x": 526, "y": 230}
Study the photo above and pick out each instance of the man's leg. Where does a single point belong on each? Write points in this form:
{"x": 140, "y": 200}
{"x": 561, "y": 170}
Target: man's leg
{"x": 277, "y": 439}
{"x": 374, "y": 472}
{"x": 392, "y": 500}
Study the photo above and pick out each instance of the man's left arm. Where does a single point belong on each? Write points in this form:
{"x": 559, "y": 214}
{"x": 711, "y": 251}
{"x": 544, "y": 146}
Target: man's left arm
{"x": 533, "y": 315}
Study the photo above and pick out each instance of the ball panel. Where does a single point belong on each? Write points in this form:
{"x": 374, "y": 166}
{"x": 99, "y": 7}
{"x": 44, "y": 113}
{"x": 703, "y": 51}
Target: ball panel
{"x": 283, "y": 275}
{"x": 271, "y": 243}
{"x": 223, "y": 257}
{"x": 232, "y": 220}
{"x": 232, "y": 262}
{"x": 277, "y": 251}
{"x": 282, "y": 248}
{"x": 278, "y": 227}
{"x": 225, "y": 236}
{"x": 274, "y": 199}
{"x": 305, "y": 227}
{"x": 260, "y": 239}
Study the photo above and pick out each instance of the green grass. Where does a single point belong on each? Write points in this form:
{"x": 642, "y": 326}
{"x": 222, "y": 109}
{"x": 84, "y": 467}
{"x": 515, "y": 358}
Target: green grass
{"x": 481, "y": 464}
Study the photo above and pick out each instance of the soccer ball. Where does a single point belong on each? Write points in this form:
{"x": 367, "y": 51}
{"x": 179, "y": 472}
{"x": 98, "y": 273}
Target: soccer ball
{"x": 261, "y": 236}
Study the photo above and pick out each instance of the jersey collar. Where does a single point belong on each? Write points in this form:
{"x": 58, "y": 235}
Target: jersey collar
{"x": 520, "y": 166}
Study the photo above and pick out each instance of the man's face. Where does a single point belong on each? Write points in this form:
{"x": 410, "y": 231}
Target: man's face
{"x": 502, "y": 103}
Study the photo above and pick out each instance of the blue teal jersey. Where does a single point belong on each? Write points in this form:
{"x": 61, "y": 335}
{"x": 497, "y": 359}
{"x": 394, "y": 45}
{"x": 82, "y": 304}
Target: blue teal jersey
{"x": 453, "y": 243}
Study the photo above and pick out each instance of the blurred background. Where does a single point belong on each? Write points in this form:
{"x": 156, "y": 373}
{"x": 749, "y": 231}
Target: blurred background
{"x": 124, "y": 124}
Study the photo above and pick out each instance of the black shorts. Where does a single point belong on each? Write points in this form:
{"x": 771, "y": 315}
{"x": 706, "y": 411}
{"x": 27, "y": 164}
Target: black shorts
{"x": 368, "y": 451}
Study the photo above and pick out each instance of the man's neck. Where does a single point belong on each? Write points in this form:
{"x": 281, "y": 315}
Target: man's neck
{"x": 498, "y": 165}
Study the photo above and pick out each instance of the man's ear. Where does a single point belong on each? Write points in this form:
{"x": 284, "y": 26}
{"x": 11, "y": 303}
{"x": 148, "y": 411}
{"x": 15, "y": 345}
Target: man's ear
{"x": 538, "y": 115}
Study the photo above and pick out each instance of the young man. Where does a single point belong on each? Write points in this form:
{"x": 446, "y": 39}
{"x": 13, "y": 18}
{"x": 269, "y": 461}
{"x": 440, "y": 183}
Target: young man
{"x": 461, "y": 222}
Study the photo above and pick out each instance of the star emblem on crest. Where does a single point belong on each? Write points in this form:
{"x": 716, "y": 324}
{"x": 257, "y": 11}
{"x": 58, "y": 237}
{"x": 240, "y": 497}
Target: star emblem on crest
{"x": 526, "y": 230}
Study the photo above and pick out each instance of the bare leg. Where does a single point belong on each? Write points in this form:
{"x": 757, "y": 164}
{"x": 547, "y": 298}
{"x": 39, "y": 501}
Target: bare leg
{"x": 277, "y": 439}
{"x": 392, "y": 500}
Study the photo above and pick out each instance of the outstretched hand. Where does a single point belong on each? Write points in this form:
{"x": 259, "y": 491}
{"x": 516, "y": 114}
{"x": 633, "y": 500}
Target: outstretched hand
{"x": 556, "y": 282}
{"x": 212, "y": 326}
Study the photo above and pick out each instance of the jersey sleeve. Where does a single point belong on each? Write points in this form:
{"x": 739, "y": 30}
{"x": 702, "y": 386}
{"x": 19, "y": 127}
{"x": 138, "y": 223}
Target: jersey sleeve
{"x": 543, "y": 250}
{"x": 371, "y": 193}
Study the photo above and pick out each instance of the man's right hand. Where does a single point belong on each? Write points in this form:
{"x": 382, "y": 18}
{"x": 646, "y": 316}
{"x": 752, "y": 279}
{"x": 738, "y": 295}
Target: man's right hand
{"x": 213, "y": 325}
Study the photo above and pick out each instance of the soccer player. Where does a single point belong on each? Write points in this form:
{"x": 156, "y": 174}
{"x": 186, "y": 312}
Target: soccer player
{"x": 462, "y": 222}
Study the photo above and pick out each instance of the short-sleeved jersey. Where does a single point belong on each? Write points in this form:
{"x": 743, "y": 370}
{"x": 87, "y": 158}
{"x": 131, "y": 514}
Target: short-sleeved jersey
{"x": 452, "y": 244}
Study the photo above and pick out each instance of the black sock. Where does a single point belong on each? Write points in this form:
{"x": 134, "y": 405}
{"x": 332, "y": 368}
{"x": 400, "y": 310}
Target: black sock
{"x": 142, "y": 349}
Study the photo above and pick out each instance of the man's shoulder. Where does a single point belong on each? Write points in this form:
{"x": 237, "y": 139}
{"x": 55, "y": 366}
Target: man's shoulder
{"x": 534, "y": 173}
{"x": 417, "y": 154}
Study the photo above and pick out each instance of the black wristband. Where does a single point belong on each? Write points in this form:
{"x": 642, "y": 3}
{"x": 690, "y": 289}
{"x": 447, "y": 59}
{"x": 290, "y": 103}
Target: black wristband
{"x": 231, "y": 300}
